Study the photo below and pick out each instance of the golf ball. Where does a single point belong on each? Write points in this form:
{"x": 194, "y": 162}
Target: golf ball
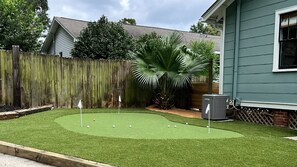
{"x": 130, "y": 126}
{"x": 88, "y": 126}
{"x": 174, "y": 126}
{"x": 187, "y": 123}
{"x": 168, "y": 126}
{"x": 207, "y": 126}
{"x": 113, "y": 126}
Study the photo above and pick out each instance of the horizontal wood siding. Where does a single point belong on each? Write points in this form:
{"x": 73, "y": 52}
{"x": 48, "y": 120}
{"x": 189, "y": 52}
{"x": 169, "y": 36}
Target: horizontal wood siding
{"x": 256, "y": 81}
{"x": 64, "y": 42}
{"x": 229, "y": 49}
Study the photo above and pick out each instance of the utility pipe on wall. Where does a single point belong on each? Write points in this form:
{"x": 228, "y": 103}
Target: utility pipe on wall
{"x": 236, "y": 50}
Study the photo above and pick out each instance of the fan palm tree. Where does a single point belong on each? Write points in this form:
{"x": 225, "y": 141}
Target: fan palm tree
{"x": 164, "y": 67}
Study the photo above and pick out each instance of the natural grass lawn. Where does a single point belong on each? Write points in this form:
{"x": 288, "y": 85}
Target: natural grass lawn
{"x": 260, "y": 146}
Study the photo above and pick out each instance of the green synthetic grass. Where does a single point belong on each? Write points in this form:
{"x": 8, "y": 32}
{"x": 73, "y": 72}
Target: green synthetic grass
{"x": 260, "y": 146}
{"x": 138, "y": 126}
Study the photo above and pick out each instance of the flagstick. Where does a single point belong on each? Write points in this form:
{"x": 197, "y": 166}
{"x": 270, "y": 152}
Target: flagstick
{"x": 209, "y": 121}
{"x": 207, "y": 111}
{"x": 81, "y": 124}
{"x": 120, "y": 100}
{"x": 79, "y": 105}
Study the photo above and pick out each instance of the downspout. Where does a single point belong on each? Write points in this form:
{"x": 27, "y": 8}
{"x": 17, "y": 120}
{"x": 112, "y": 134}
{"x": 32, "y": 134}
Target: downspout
{"x": 236, "y": 54}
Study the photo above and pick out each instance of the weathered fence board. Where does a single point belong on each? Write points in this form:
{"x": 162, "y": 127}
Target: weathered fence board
{"x": 6, "y": 78}
{"x": 16, "y": 76}
{"x": 47, "y": 79}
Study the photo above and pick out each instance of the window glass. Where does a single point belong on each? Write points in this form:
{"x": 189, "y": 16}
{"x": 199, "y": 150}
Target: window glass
{"x": 288, "y": 52}
{"x": 288, "y": 41}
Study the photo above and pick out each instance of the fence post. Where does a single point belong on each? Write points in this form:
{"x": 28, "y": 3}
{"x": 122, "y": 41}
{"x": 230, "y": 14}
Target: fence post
{"x": 16, "y": 75}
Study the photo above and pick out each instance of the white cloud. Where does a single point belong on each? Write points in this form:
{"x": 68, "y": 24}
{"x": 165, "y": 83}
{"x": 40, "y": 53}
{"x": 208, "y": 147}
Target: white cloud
{"x": 69, "y": 11}
{"x": 125, "y": 4}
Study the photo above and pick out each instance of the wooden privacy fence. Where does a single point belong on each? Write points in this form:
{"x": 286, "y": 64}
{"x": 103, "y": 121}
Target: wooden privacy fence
{"x": 47, "y": 79}
{"x": 198, "y": 89}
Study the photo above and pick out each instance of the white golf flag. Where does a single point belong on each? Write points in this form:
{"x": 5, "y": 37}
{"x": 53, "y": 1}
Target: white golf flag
{"x": 79, "y": 105}
{"x": 207, "y": 109}
{"x": 120, "y": 100}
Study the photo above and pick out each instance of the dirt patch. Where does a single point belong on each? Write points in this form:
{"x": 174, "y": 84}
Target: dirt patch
{"x": 177, "y": 111}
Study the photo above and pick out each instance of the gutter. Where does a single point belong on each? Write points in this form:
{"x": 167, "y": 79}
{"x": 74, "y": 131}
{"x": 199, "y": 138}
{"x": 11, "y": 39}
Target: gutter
{"x": 236, "y": 54}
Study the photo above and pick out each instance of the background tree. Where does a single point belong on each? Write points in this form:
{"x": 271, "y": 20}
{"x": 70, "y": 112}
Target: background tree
{"x": 150, "y": 42}
{"x": 103, "y": 40}
{"x": 206, "y": 50}
{"x": 22, "y": 23}
{"x": 41, "y": 8}
{"x": 128, "y": 21}
{"x": 165, "y": 69}
{"x": 204, "y": 28}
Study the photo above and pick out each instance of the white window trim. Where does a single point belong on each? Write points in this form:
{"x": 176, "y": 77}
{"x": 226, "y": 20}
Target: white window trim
{"x": 276, "y": 39}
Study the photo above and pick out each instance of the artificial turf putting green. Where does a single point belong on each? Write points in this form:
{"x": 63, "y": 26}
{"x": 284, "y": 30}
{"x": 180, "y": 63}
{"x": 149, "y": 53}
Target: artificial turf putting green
{"x": 138, "y": 126}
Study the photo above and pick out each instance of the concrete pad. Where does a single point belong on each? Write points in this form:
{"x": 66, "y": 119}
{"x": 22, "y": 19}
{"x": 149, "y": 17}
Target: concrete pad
{"x": 46, "y": 157}
{"x": 12, "y": 161}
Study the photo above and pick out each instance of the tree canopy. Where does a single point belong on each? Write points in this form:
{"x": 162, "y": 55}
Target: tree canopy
{"x": 204, "y": 28}
{"x": 22, "y": 23}
{"x": 128, "y": 21}
{"x": 103, "y": 40}
{"x": 206, "y": 50}
{"x": 150, "y": 41}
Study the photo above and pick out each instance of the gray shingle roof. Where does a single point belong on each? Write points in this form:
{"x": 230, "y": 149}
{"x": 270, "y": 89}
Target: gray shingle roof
{"x": 74, "y": 27}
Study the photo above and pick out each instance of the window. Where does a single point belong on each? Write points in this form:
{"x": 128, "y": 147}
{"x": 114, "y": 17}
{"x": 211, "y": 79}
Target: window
{"x": 285, "y": 46}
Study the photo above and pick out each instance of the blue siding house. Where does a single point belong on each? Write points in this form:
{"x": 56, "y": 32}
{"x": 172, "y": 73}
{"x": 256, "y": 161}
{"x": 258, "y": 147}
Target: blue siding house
{"x": 259, "y": 55}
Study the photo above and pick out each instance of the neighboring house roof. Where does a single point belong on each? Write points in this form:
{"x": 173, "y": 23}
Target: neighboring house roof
{"x": 216, "y": 11}
{"x": 74, "y": 27}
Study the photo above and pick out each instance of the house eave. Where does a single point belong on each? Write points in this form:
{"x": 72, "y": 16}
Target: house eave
{"x": 65, "y": 28}
{"x": 48, "y": 38}
{"x": 51, "y": 32}
{"x": 216, "y": 11}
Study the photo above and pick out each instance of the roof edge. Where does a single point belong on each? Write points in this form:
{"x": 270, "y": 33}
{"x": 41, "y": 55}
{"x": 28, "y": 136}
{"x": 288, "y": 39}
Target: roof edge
{"x": 216, "y": 11}
{"x": 57, "y": 20}
{"x": 212, "y": 9}
{"x": 48, "y": 36}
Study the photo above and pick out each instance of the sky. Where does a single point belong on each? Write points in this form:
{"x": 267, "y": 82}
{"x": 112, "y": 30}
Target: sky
{"x": 171, "y": 14}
